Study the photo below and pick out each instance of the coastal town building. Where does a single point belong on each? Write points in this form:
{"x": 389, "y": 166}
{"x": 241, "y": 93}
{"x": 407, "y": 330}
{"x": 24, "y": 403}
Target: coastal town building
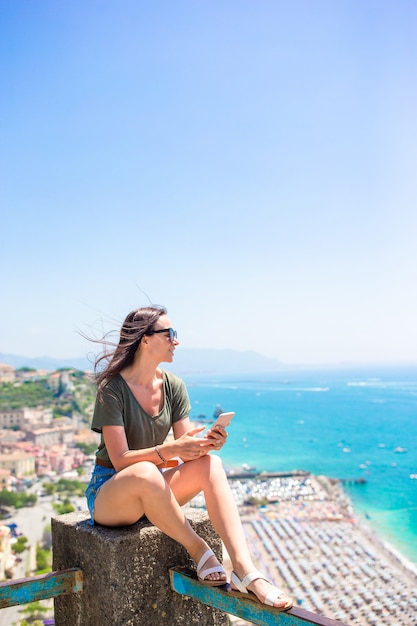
{"x": 7, "y": 373}
{"x": 47, "y": 437}
{"x": 19, "y": 463}
{"x": 9, "y": 438}
{"x": 64, "y": 459}
{"x": 24, "y": 375}
{"x": 5, "y": 479}
{"x": 49, "y": 459}
{"x": 18, "y": 418}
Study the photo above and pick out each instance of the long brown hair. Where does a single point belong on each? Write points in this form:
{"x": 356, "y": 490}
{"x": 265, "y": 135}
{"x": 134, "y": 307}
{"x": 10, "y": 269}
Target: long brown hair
{"x": 136, "y": 325}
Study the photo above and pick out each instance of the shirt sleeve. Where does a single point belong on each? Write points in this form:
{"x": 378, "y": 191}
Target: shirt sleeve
{"x": 108, "y": 410}
{"x": 180, "y": 402}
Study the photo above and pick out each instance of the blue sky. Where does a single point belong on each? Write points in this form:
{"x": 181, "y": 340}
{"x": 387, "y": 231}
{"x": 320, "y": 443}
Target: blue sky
{"x": 251, "y": 165}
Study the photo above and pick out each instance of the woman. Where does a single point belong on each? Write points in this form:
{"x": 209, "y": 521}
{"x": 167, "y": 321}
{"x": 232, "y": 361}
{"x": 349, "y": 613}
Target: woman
{"x": 137, "y": 404}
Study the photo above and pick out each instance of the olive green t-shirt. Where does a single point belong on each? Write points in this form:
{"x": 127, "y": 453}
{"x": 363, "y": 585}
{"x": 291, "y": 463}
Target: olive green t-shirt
{"x": 119, "y": 407}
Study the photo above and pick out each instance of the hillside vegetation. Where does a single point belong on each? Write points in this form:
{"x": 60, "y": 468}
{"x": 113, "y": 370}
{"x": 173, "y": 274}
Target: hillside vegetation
{"x": 77, "y": 397}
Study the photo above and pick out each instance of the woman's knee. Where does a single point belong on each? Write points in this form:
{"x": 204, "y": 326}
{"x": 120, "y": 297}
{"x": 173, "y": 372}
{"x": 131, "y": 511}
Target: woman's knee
{"x": 143, "y": 472}
{"x": 214, "y": 465}
{"x": 216, "y": 462}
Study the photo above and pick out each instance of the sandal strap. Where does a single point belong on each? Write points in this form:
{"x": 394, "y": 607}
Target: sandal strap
{"x": 207, "y": 554}
{"x": 273, "y": 595}
{"x": 237, "y": 583}
{"x": 251, "y": 577}
{"x": 210, "y": 570}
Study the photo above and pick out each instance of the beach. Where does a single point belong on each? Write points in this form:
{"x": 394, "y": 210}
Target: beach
{"x": 308, "y": 540}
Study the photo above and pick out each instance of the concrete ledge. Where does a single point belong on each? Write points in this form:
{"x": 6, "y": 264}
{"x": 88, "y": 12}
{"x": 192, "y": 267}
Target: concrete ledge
{"x": 126, "y": 574}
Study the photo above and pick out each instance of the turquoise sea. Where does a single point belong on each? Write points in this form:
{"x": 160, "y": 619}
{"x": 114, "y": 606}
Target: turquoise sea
{"x": 344, "y": 423}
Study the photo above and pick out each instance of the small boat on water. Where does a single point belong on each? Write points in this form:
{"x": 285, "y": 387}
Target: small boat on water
{"x": 248, "y": 468}
{"x": 203, "y": 419}
{"x": 218, "y": 411}
{"x": 400, "y": 450}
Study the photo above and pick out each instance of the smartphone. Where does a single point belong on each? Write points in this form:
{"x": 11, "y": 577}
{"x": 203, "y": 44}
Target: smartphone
{"x": 223, "y": 419}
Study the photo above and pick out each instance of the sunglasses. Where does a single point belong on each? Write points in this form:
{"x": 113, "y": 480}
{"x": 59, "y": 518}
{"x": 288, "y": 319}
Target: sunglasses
{"x": 171, "y": 331}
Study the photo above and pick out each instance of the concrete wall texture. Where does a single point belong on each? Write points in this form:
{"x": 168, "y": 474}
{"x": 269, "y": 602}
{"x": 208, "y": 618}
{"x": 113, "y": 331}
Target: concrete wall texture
{"x": 125, "y": 574}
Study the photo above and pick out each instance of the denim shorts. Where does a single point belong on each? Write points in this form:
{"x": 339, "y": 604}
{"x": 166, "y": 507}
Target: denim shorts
{"x": 99, "y": 476}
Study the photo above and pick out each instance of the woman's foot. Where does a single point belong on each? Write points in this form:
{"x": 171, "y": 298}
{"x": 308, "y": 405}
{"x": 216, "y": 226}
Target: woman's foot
{"x": 209, "y": 570}
{"x": 265, "y": 592}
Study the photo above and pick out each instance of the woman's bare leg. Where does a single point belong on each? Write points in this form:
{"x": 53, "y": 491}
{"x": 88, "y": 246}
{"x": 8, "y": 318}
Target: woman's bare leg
{"x": 142, "y": 490}
{"x": 207, "y": 474}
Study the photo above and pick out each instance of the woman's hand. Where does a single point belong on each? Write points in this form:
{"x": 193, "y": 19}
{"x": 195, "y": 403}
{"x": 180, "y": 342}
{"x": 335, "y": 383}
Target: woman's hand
{"x": 217, "y": 435}
{"x": 190, "y": 447}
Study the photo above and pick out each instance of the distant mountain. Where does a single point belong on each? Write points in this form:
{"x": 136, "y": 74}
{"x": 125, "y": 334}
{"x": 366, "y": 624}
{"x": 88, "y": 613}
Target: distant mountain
{"x": 45, "y": 362}
{"x": 186, "y": 361}
{"x": 206, "y": 361}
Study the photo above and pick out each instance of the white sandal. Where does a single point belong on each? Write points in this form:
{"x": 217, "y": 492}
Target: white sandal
{"x": 202, "y": 573}
{"x": 270, "y": 598}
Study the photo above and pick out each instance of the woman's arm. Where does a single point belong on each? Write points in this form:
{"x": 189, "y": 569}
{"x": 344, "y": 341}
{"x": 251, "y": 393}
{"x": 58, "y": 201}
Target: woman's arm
{"x": 118, "y": 450}
{"x": 186, "y": 446}
{"x": 182, "y": 427}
